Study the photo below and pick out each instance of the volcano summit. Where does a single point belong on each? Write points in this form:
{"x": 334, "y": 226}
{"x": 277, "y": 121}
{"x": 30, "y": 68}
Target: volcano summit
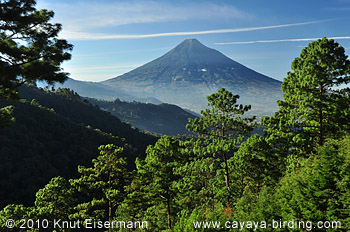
{"x": 189, "y": 72}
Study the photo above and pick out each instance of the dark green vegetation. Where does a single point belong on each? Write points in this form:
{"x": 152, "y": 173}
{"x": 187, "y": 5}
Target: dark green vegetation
{"x": 221, "y": 128}
{"x": 54, "y": 132}
{"x": 67, "y": 103}
{"x": 188, "y": 73}
{"x": 163, "y": 119}
{"x": 293, "y": 172}
{"x": 298, "y": 170}
{"x": 29, "y": 46}
{"x": 29, "y": 50}
{"x": 41, "y": 145}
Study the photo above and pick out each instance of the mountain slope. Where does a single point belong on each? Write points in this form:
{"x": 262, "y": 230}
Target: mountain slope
{"x": 162, "y": 119}
{"x": 100, "y": 91}
{"x": 40, "y": 145}
{"x": 68, "y": 104}
{"x": 191, "y": 71}
{"x": 54, "y": 132}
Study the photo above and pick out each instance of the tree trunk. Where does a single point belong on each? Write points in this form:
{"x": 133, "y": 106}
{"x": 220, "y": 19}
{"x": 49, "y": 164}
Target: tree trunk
{"x": 227, "y": 181}
{"x": 224, "y": 156}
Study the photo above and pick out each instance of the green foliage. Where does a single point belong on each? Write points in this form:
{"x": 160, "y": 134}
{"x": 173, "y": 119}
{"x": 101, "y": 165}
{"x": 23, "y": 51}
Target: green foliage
{"x": 217, "y": 215}
{"x": 222, "y": 126}
{"x": 197, "y": 186}
{"x": 315, "y": 105}
{"x": 223, "y": 121}
{"x": 69, "y": 104}
{"x": 257, "y": 207}
{"x": 29, "y": 50}
{"x": 253, "y": 166}
{"x": 103, "y": 184}
{"x": 319, "y": 190}
{"x": 29, "y": 46}
{"x": 55, "y": 200}
{"x": 180, "y": 183}
{"x": 68, "y": 94}
{"x": 41, "y": 145}
{"x": 16, "y": 213}
{"x": 155, "y": 184}
{"x": 5, "y": 116}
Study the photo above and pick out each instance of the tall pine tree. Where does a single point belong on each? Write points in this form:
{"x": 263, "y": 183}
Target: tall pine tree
{"x": 222, "y": 126}
{"x": 316, "y": 101}
{"x": 155, "y": 183}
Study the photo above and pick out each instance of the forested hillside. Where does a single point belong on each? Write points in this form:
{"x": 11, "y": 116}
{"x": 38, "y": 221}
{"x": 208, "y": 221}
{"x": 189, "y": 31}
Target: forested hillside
{"x": 69, "y": 104}
{"x": 51, "y": 139}
{"x": 68, "y": 166}
{"x": 41, "y": 145}
{"x": 298, "y": 171}
{"x": 163, "y": 119}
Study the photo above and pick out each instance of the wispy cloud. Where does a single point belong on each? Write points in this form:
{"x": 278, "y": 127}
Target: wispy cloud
{"x": 80, "y": 16}
{"x": 100, "y": 68}
{"x": 282, "y": 40}
{"x": 93, "y": 36}
{"x": 339, "y": 8}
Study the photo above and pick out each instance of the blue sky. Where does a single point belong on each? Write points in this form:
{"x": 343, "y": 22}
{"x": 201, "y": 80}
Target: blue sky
{"x": 114, "y": 37}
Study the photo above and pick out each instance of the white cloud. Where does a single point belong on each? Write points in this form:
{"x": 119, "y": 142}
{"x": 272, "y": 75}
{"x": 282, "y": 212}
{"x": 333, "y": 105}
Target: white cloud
{"x": 282, "y": 40}
{"x": 100, "y": 68}
{"x": 85, "y": 16}
{"x": 93, "y": 36}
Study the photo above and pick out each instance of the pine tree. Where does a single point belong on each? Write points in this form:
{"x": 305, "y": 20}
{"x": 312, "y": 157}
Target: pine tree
{"x": 197, "y": 186}
{"x": 55, "y": 201}
{"x": 29, "y": 47}
{"x": 253, "y": 166}
{"x": 154, "y": 183}
{"x": 16, "y": 213}
{"x": 319, "y": 189}
{"x": 315, "y": 103}
{"x": 222, "y": 126}
{"x": 102, "y": 184}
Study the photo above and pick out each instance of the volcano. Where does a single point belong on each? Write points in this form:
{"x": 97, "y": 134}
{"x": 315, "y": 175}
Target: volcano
{"x": 191, "y": 71}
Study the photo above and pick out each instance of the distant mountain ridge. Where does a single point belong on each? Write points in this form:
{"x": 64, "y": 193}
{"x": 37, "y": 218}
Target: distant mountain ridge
{"x": 100, "y": 91}
{"x": 162, "y": 119}
{"x": 189, "y": 72}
